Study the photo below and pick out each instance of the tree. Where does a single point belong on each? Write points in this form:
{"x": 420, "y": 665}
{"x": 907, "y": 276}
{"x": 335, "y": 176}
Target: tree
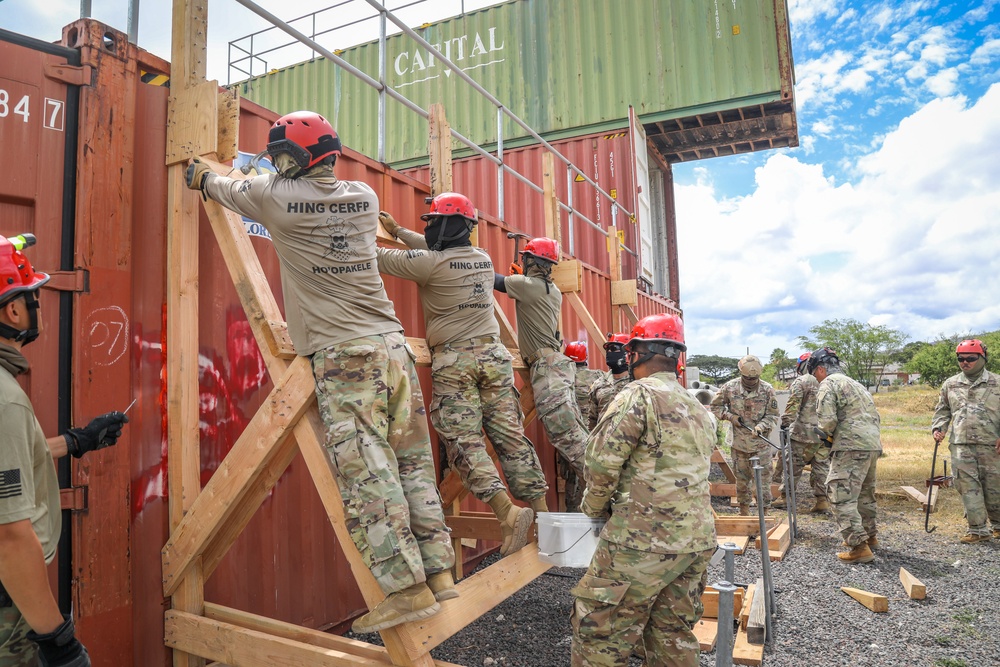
{"x": 864, "y": 349}
{"x": 780, "y": 361}
{"x": 936, "y": 362}
{"x": 718, "y": 369}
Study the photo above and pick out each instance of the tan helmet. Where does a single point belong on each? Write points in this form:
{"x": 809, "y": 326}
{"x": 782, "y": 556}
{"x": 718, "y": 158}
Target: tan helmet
{"x": 750, "y": 366}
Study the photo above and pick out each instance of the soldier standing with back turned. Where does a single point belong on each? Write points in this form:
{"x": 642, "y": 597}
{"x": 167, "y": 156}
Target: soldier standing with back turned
{"x": 799, "y": 418}
{"x": 750, "y": 405}
{"x": 970, "y": 405}
{"x": 470, "y": 368}
{"x": 648, "y": 462}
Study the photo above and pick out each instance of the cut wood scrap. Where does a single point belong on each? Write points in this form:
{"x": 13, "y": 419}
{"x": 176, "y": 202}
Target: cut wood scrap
{"x": 779, "y": 540}
{"x": 747, "y": 602}
{"x": 741, "y": 542}
{"x": 710, "y": 599}
{"x": 707, "y": 631}
{"x": 756, "y": 628}
{"x": 745, "y": 653}
{"x": 742, "y": 525}
{"x": 915, "y": 589}
{"x": 921, "y": 498}
{"x": 874, "y": 601}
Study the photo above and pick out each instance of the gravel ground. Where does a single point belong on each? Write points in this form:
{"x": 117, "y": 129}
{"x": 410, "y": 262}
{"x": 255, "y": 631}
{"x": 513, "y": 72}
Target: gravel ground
{"x": 816, "y": 624}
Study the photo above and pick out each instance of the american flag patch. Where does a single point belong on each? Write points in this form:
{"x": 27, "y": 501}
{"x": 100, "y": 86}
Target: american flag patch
{"x": 10, "y": 483}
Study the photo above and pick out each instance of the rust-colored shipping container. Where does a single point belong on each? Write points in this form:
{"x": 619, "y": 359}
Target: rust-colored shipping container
{"x": 91, "y": 184}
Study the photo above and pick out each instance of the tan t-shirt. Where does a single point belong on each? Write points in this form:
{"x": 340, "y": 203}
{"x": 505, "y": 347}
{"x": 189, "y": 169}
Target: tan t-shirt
{"x": 29, "y": 488}
{"x": 456, "y": 287}
{"x": 537, "y": 313}
{"x": 324, "y": 233}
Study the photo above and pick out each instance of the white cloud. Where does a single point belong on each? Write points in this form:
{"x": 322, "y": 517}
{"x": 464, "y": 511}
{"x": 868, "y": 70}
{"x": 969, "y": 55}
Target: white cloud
{"x": 806, "y": 11}
{"x": 986, "y": 52}
{"x": 895, "y": 246}
{"x": 944, "y": 83}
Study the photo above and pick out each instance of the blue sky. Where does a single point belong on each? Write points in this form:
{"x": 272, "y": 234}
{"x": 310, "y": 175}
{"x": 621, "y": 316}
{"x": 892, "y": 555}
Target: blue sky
{"x": 888, "y": 211}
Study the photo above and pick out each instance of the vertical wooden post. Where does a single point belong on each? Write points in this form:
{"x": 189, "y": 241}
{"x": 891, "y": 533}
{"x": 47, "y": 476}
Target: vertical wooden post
{"x": 190, "y": 27}
{"x": 615, "y": 269}
{"x": 439, "y": 148}
{"x": 550, "y": 205}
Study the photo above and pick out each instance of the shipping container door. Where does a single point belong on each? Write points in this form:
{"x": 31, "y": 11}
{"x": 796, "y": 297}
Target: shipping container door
{"x": 37, "y": 145}
{"x": 640, "y": 175}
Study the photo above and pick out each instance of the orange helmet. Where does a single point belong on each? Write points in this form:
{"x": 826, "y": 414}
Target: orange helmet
{"x": 451, "y": 203}
{"x": 971, "y": 346}
{"x": 660, "y": 327}
{"x": 616, "y": 339}
{"x": 542, "y": 248}
{"x": 306, "y": 136}
{"x": 577, "y": 351}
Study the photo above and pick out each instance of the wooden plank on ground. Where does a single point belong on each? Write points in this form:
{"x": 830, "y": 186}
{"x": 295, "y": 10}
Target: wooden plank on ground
{"x": 741, "y": 542}
{"x": 729, "y": 489}
{"x": 915, "y": 589}
{"x": 747, "y": 603}
{"x": 298, "y": 633}
{"x": 745, "y": 653}
{"x": 914, "y": 494}
{"x": 742, "y": 525}
{"x": 874, "y": 601}
{"x": 710, "y": 599}
{"x": 756, "y": 622}
{"x": 707, "y": 631}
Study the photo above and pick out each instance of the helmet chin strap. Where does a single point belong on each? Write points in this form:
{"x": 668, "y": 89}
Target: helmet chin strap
{"x": 31, "y": 333}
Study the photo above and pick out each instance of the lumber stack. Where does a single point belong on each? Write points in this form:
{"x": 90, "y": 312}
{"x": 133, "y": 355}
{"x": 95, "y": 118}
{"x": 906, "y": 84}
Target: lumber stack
{"x": 710, "y": 599}
{"x": 779, "y": 540}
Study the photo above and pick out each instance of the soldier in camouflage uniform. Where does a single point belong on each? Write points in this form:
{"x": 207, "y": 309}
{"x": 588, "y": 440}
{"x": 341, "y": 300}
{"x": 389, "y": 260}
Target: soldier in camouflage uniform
{"x": 538, "y": 302}
{"x": 611, "y": 383}
{"x": 750, "y": 405}
{"x": 970, "y": 405}
{"x": 647, "y": 473}
{"x": 846, "y": 415}
{"x": 367, "y": 388}
{"x": 32, "y": 629}
{"x": 799, "y": 418}
{"x": 470, "y": 368}
{"x": 584, "y": 384}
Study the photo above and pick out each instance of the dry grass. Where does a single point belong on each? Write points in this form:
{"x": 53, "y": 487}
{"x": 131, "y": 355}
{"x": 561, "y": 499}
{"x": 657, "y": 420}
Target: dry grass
{"x": 908, "y": 447}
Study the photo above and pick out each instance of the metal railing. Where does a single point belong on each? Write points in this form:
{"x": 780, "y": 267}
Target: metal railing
{"x": 385, "y": 91}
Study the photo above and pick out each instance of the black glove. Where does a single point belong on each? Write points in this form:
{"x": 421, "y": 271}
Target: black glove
{"x": 615, "y": 359}
{"x": 101, "y": 432}
{"x": 60, "y": 648}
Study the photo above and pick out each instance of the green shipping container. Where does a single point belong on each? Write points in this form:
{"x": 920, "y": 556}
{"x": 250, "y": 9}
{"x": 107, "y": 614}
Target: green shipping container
{"x": 707, "y": 77}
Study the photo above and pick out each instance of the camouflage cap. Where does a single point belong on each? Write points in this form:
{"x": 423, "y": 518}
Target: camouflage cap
{"x": 750, "y": 366}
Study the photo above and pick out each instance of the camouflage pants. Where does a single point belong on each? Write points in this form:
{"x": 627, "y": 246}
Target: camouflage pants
{"x": 474, "y": 390}
{"x": 574, "y": 484}
{"x": 379, "y": 447}
{"x": 15, "y": 649}
{"x": 630, "y": 597}
{"x": 977, "y": 476}
{"x": 817, "y": 456}
{"x": 850, "y": 485}
{"x": 552, "y": 379}
{"x": 746, "y": 487}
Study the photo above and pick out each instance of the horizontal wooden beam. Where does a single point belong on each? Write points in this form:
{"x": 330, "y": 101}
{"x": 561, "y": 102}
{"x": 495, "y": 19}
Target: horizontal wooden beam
{"x": 710, "y": 598}
{"x": 742, "y": 525}
{"x": 729, "y": 490}
{"x": 244, "y": 464}
{"x": 298, "y": 633}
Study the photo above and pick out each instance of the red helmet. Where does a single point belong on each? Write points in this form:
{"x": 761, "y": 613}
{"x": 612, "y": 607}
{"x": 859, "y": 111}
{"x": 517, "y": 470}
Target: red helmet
{"x": 542, "y": 248}
{"x": 803, "y": 358}
{"x": 971, "y": 346}
{"x": 305, "y": 135}
{"x": 618, "y": 338}
{"x": 577, "y": 351}
{"x": 16, "y": 274}
{"x": 451, "y": 203}
{"x": 660, "y": 327}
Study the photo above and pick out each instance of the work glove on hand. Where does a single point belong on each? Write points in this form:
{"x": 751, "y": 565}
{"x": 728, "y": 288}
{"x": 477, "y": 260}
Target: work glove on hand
{"x": 515, "y": 269}
{"x": 60, "y": 648}
{"x": 101, "y": 432}
{"x": 196, "y": 174}
{"x": 760, "y": 430}
{"x": 389, "y": 223}
{"x": 589, "y": 506}
{"x": 735, "y": 419}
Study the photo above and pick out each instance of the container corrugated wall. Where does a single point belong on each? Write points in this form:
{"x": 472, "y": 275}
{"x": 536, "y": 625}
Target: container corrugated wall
{"x": 560, "y": 65}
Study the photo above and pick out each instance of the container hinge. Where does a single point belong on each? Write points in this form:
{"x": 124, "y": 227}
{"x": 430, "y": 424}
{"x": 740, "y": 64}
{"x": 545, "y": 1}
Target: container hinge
{"x": 74, "y": 76}
{"x": 73, "y": 498}
{"x": 69, "y": 281}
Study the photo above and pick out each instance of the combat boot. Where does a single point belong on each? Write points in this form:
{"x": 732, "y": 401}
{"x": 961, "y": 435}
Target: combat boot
{"x": 539, "y": 504}
{"x": 442, "y": 584}
{"x": 744, "y": 509}
{"x": 996, "y": 533}
{"x": 409, "y": 604}
{"x": 972, "y": 538}
{"x": 859, "y": 554}
{"x": 822, "y": 505}
{"x": 515, "y": 523}
{"x": 873, "y": 542}
{"x": 780, "y": 502}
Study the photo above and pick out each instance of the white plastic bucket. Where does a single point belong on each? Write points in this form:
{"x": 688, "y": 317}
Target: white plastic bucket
{"x": 567, "y": 539}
